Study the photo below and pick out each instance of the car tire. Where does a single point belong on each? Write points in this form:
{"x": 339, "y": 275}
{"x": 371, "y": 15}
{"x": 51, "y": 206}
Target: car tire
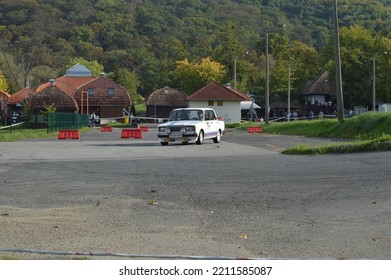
{"x": 164, "y": 143}
{"x": 200, "y": 138}
{"x": 217, "y": 139}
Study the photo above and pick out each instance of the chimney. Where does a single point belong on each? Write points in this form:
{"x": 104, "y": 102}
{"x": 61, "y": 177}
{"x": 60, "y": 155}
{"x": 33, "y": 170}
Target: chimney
{"x": 52, "y": 82}
{"x": 229, "y": 86}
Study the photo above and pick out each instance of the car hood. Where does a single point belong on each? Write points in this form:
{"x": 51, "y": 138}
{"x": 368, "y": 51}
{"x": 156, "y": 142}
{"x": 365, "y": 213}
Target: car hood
{"x": 180, "y": 123}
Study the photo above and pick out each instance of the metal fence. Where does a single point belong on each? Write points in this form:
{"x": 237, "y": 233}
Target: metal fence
{"x": 58, "y": 121}
{"x": 13, "y": 127}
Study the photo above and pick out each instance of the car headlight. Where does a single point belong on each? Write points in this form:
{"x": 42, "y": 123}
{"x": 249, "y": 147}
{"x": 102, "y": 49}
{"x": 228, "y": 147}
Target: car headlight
{"x": 163, "y": 129}
{"x": 189, "y": 128}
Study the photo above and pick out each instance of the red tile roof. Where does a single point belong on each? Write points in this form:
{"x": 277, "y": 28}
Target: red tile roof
{"x": 54, "y": 95}
{"x": 217, "y": 92}
{"x": 4, "y": 94}
{"x": 101, "y": 97}
{"x": 68, "y": 84}
{"x": 21, "y": 95}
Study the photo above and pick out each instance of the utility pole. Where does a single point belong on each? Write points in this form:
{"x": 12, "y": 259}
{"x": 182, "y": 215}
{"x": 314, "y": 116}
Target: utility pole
{"x": 235, "y": 74}
{"x": 267, "y": 81}
{"x": 340, "y": 106}
{"x": 374, "y": 84}
{"x": 289, "y": 91}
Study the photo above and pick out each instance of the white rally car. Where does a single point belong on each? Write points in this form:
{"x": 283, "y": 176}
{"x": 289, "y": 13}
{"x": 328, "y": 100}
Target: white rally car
{"x": 191, "y": 125}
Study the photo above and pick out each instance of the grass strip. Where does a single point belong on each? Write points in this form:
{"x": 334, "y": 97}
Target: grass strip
{"x": 20, "y": 134}
{"x": 379, "y": 144}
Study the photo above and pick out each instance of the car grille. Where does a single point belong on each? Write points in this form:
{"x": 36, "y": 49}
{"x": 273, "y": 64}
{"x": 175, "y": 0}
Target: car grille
{"x": 175, "y": 128}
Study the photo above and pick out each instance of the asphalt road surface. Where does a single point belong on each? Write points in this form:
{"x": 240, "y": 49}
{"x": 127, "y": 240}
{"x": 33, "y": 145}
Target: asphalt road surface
{"x": 238, "y": 198}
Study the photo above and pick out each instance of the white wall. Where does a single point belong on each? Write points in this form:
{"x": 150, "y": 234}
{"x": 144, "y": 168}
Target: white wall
{"x": 385, "y": 107}
{"x": 230, "y": 111}
{"x": 313, "y": 99}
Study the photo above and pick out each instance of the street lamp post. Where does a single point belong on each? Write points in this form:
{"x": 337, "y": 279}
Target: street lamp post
{"x": 235, "y": 63}
{"x": 267, "y": 94}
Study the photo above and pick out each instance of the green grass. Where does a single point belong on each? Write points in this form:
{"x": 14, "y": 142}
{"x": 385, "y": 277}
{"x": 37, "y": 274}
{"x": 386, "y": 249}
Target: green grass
{"x": 378, "y": 144}
{"x": 140, "y": 109}
{"x": 20, "y": 134}
{"x": 366, "y": 126}
{"x": 9, "y": 258}
{"x": 368, "y": 132}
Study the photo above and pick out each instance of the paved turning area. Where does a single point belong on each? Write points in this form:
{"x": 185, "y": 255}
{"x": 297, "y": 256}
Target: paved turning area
{"x": 238, "y": 198}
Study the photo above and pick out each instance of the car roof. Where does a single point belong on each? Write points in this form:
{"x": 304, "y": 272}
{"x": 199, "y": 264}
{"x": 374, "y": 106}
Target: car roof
{"x": 192, "y": 109}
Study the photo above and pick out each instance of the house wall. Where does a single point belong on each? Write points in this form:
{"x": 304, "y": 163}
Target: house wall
{"x": 110, "y": 112}
{"x": 315, "y": 99}
{"x": 230, "y": 111}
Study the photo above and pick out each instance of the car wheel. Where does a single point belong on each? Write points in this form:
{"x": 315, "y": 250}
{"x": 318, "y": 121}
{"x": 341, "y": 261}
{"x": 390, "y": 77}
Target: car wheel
{"x": 200, "y": 138}
{"x": 164, "y": 143}
{"x": 217, "y": 139}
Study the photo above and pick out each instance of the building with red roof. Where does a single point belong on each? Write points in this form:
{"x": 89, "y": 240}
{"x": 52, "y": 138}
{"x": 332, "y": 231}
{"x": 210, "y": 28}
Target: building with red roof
{"x": 223, "y": 99}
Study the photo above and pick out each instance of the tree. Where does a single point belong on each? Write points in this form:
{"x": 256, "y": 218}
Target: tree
{"x": 130, "y": 81}
{"x": 304, "y": 61}
{"x": 359, "y": 47}
{"x": 193, "y": 76}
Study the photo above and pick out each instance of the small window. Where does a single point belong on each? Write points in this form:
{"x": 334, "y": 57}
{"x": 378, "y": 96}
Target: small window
{"x": 211, "y": 103}
{"x": 219, "y": 103}
{"x": 110, "y": 92}
{"x": 90, "y": 92}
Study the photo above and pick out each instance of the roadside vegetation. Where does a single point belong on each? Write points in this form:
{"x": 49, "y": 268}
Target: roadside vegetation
{"x": 368, "y": 132}
{"x": 22, "y": 133}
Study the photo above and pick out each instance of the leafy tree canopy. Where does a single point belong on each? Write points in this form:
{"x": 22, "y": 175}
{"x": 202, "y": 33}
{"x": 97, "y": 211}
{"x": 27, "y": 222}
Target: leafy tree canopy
{"x": 194, "y": 76}
{"x": 39, "y": 38}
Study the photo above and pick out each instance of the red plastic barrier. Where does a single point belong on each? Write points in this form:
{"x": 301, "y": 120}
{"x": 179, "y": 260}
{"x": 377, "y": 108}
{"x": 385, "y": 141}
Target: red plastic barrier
{"x": 254, "y": 129}
{"x": 144, "y": 128}
{"x": 106, "y": 129}
{"x": 131, "y": 133}
{"x": 68, "y": 134}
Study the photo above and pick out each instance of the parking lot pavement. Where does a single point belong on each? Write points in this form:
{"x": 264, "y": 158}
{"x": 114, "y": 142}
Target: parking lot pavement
{"x": 275, "y": 142}
{"x": 104, "y": 193}
{"x": 95, "y": 144}
{"x": 109, "y": 145}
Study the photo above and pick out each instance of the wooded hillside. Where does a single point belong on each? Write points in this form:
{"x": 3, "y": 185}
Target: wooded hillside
{"x": 146, "y": 38}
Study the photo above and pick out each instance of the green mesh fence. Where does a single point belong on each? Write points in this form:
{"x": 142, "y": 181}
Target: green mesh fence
{"x": 58, "y": 121}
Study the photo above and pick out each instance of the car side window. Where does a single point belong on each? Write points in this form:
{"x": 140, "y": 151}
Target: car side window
{"x": 210, "y": 115}
{"x": 207, "y": 116}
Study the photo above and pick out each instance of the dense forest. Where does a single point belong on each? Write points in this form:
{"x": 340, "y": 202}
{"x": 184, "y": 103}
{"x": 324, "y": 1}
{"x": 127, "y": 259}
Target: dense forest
{"x": 148, "y": 44}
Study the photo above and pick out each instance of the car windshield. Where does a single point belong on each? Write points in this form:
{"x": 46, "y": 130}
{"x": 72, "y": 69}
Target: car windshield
{"x": 181, "y": 115}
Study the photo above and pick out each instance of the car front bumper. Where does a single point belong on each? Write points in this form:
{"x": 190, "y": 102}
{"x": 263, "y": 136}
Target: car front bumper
{"x": 178, "y": 137}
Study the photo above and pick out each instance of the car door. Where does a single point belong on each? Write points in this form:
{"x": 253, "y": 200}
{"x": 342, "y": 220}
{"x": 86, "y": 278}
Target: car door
{"x": 211, "y": 124}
